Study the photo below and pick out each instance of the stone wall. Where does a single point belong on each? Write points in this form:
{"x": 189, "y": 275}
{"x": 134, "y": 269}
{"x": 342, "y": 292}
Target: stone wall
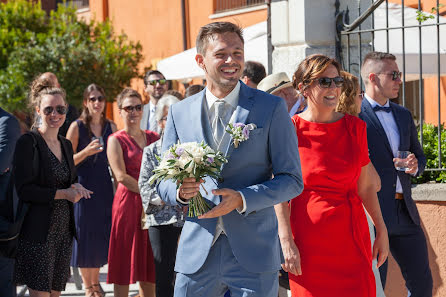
{"x": 431, "y": 203}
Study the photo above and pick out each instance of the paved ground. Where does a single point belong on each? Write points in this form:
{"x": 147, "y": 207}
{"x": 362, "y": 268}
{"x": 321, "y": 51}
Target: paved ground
{"x": 72, "y": 291}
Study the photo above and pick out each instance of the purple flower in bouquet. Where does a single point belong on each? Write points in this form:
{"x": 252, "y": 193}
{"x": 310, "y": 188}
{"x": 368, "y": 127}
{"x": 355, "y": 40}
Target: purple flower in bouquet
{"x": 246, "y": 132}
{"x": 179, "y": 151}
{"x": 210, "y": 160}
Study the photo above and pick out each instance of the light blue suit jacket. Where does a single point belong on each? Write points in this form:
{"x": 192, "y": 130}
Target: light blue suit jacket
{"x": 270, "y": 150}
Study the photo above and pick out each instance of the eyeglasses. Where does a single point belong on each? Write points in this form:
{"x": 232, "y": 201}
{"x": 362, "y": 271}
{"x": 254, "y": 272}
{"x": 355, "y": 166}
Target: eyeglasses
{"x": 155, "y": 81}
{"x": 60, "y": 109}
{"x": 163, "y": 119}
{"x": 131, "y": 108}
{"x": 94, "y": 99}
{"x": 395, "y": 74}
{"x": 325, "y": 82}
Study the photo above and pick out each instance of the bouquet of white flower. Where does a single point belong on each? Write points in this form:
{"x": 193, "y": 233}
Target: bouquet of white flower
{"x": 190, "y": 159}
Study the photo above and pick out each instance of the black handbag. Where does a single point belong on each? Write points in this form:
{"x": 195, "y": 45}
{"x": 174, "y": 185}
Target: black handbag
{"x": 13, "y": 212}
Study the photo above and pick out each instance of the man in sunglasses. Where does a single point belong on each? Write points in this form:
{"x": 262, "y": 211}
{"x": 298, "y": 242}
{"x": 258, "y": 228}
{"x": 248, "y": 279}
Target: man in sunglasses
{"x": 155, "y": 85}
{"x": 390, "y": 128}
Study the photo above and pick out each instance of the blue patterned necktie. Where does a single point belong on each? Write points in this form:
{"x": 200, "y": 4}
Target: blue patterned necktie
{"x": 382, "y": 108}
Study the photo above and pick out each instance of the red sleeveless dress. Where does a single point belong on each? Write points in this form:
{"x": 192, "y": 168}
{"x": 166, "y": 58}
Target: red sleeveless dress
{"x": 130, "y": 257}
{"x": 328, "y": 220}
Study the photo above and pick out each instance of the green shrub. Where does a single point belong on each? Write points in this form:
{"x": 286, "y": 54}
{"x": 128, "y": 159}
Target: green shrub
{"x": 430, "y": 148}
{"x": 78, "y": 53}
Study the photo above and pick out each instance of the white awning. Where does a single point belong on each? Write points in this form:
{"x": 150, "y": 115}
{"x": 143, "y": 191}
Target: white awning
{"x": 183, "y": 66}
{"x": 412, "y": 41}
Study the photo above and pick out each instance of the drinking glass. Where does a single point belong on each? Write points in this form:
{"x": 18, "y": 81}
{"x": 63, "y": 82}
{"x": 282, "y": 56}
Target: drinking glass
{"x": 402, "y": 164}
{"x": 101, "y": 141}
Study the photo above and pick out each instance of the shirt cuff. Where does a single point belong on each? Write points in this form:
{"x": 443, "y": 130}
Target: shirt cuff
{"x": 241, "y": 210}
{"x": 181, "y": 200}
{"x": 156, "y": 201}
{"x": 415, "y": 173}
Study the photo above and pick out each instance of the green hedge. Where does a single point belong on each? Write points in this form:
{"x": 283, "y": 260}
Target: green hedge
{"x": 430, "y": 148}
{"x": 79, "y": 53}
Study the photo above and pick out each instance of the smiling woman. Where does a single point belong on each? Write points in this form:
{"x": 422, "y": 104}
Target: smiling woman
{"x": 49, "y": 187}
{"x": 334, "y": 158}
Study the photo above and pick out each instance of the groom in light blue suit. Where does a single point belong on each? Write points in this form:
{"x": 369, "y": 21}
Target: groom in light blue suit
{"x": 235, "y": 245}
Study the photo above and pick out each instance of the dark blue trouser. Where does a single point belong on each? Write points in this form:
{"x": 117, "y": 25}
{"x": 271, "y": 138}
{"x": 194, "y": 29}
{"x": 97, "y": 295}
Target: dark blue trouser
{"x": 7, "y": 287}
{"x": 409, "y": 249}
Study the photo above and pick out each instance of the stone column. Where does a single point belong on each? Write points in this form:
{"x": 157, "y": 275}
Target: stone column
{"x": 304, "y": 27}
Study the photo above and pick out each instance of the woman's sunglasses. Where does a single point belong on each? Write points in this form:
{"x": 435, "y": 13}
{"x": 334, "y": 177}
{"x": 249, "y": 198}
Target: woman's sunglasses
{"x": 325, "y": 82}
{"x": 94, "y": 99}
{"x": 60, "y": 109}
{"x": 131, "y": 108}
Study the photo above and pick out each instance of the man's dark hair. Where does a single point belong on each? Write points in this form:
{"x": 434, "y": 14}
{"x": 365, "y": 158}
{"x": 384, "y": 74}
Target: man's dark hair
{"x": 372, "y": 63}
{"x": 149, "y": 73}
{"x": 206, "y": 32}
{"x": 255, "y": 71}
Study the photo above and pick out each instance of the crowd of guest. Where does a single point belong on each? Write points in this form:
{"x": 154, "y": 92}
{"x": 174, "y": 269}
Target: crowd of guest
{"x": 90, "y": 203}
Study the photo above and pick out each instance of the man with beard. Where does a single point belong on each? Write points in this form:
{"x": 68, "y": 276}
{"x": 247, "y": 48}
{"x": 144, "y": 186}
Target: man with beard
{"x": 155, "y": 85}
{"x": 235, "y": 245}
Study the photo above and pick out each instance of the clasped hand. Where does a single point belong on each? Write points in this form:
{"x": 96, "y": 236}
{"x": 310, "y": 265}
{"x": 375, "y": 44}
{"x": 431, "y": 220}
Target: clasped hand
{"x": 76, "y": 192}
{"x": 230, "y": 199}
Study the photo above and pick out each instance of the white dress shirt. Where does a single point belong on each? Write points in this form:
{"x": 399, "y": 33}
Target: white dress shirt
{"x": 231, "y": 101}
{"x": 389, "y": 125}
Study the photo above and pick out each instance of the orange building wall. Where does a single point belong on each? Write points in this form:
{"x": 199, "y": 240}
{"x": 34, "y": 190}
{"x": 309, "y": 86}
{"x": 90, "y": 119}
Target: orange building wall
{"x": 157, "y": 25}
{"x": 431, "y": 100}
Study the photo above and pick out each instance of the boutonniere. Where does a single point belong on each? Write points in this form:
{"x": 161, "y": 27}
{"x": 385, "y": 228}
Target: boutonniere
{"x": 240, "y": 132}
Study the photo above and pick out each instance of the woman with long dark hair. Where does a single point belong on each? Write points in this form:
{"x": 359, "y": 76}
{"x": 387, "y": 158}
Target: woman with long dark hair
{"x": 89, "y": 136}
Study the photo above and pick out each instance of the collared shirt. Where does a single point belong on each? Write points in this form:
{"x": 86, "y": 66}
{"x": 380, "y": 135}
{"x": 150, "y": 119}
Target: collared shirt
{"x": 389, "y": 125}
{"x": 232, "y": 101}
{"x": 296, "y": 106}
{"x": 151, "y": 122}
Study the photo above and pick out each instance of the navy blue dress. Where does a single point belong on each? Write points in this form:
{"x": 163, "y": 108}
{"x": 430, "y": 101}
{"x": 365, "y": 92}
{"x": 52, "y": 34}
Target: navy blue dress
{"x": 93, "y": 216}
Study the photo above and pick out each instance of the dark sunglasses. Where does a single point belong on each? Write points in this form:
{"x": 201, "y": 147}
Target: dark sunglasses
{"x": 395, "y": 74}
{"x": 130, "y": 108}
{"x": 155, "y": 81}
{"x": 325, "y": 82}
{"x": 94, "y": 99}
{"x": 59, "y": 108}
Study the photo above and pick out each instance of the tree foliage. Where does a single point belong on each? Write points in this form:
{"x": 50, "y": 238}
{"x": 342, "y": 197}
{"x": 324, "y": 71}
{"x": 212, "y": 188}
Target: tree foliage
{"x": 79, "y": 53}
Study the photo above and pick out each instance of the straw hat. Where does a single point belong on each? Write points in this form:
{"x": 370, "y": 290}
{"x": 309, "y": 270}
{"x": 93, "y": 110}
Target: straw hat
{"x": 274, "y": 82}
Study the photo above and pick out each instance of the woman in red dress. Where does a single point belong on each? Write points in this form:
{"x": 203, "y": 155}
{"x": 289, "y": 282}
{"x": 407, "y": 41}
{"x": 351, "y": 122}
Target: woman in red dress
{"x": 130, "y": 257}
{"x": 328, "y": 222}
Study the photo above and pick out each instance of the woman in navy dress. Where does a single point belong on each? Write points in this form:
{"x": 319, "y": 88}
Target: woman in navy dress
{"x": 93, "y": 219}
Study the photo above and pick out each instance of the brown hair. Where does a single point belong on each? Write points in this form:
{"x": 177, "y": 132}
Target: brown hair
{"x": 40, "y": 82}
{"x": 349, "y": 92}
{"x": 208, "y": 31}
{"x": 372, "y": 63}
{"x": 175, "y": 93}
{"x": 126, "y": 93}
{"x": 85, "y": 116}
{"x": 193, "y": 89}
{"x": 36, "y": 94}
{"x": 310, "y": 68}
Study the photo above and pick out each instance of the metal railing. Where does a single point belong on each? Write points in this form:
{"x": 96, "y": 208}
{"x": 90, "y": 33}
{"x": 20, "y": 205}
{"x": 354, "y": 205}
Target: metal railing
{"x": 225, "y": 5}
{"x": 350, "y": 47}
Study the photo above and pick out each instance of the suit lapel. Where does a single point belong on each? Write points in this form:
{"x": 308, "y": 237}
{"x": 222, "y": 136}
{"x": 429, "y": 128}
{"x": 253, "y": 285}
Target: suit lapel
{"x": 398, "y": 122}
{"x": 368, "y": 111}
{"x": 199, "y": 108}
{"x": 245, "y": 103}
